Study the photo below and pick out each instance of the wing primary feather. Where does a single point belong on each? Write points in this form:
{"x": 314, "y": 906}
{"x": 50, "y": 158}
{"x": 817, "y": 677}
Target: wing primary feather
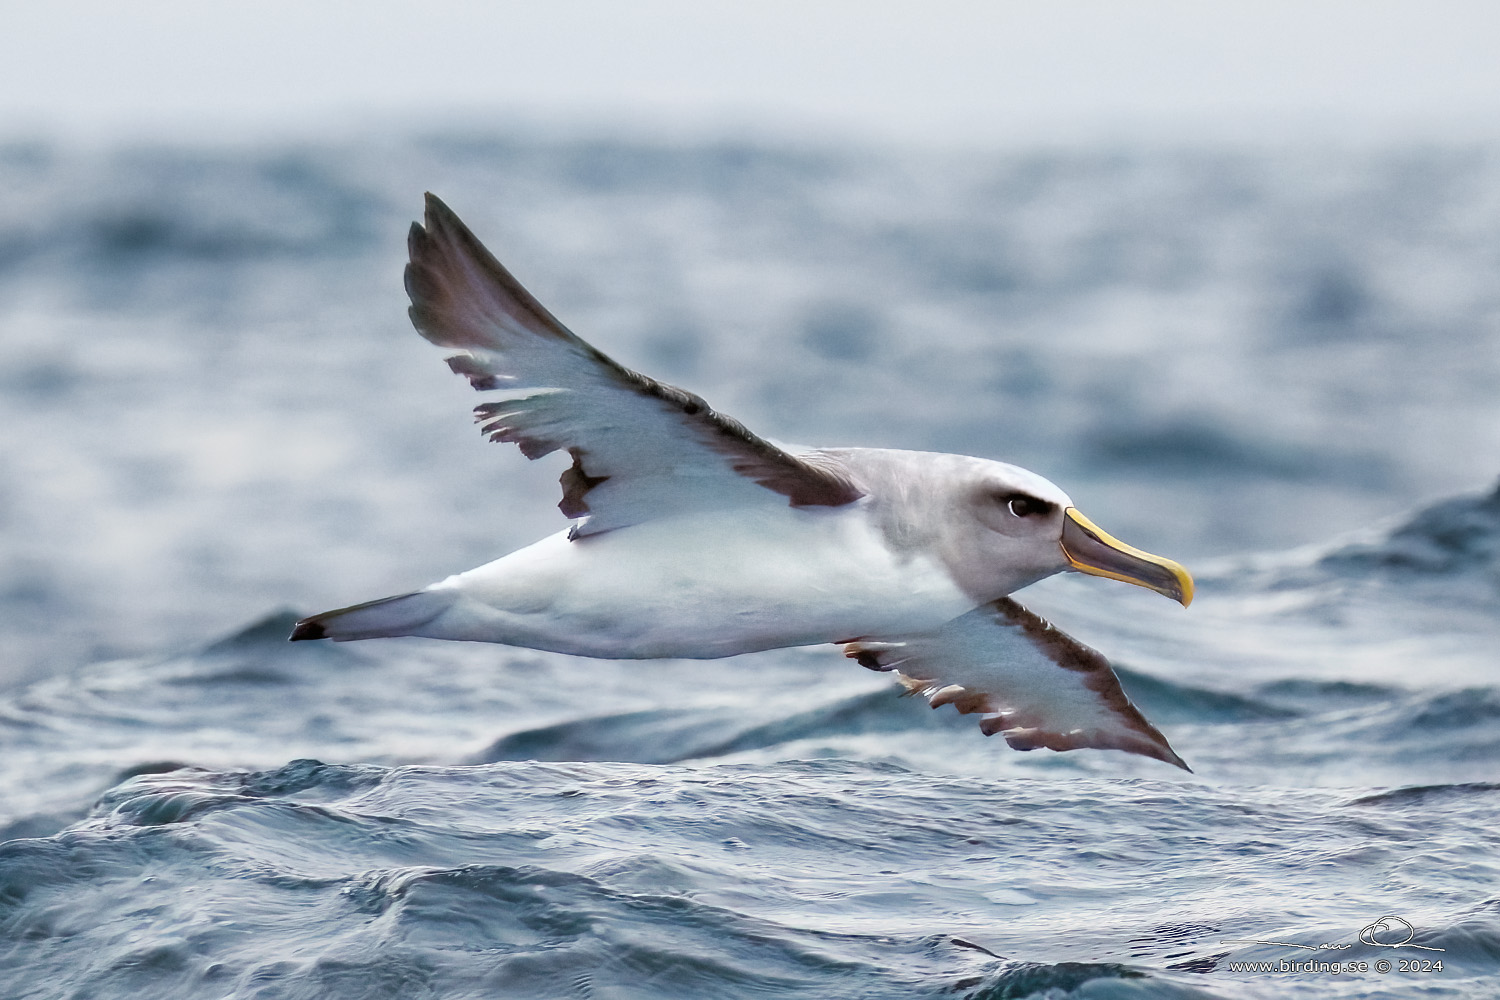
{"x": 444, "y": 256}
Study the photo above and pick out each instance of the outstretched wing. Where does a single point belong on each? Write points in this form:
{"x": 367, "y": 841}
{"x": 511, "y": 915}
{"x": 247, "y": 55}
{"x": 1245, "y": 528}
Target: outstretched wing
{"x": 1030, "y": 683}
{"x": 641, "y": 448}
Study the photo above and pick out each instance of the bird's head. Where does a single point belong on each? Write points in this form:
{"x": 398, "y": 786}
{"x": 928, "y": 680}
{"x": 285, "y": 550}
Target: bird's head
{"x": 1028, "y": 529}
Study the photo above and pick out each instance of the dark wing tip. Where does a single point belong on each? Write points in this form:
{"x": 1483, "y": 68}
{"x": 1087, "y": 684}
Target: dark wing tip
{"x": 435, "y": 207}
{"x": 439, "y": 222}
{"x": 308, "y": 628}
{"x": 416, "y": 245}
{"x": 453, "y": 279}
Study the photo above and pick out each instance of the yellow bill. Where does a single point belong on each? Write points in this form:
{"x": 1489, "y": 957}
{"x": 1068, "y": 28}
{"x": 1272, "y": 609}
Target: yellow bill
{"x": 1090, "y": 549}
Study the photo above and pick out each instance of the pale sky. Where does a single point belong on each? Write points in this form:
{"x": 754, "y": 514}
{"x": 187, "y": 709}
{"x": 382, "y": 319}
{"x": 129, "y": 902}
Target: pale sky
{"x": 937, "y": 70}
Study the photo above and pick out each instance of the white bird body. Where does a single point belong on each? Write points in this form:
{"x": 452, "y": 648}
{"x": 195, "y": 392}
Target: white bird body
{"x": 693, "y": 537}
{"x": 774, "y": 578}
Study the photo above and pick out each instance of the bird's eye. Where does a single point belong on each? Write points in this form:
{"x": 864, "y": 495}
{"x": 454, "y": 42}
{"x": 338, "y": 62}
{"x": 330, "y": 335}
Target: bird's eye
{"x": 1022, "y": 505}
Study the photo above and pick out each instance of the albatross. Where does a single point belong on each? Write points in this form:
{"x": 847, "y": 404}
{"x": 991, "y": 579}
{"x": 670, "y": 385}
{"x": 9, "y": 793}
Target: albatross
{"x": 692, "y": 536}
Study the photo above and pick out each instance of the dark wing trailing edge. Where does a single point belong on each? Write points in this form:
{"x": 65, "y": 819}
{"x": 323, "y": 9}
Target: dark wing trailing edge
{"x": 641, "y": 448}
{"x": 1029, "y": 682}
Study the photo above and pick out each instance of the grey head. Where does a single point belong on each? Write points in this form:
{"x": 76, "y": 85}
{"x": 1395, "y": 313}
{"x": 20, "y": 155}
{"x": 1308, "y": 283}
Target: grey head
{"x": 996, "y": 527}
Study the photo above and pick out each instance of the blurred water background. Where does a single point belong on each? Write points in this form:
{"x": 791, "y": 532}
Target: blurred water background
{"x": 1279, "y": 364}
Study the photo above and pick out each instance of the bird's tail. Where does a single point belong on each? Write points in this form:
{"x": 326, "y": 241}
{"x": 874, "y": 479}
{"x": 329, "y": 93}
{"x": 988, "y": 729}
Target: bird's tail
{"x": 403, "y": 614}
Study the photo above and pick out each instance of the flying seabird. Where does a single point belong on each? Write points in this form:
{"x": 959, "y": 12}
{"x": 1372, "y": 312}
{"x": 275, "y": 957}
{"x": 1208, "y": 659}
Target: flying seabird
{"x": 694, "y": 537}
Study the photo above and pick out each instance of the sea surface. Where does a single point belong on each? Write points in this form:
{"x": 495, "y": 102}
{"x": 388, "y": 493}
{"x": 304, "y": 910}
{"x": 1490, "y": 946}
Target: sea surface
{"x": 1279, "y": 365}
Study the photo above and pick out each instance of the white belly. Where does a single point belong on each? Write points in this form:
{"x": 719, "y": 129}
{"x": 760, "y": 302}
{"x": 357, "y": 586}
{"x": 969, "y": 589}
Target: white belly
{"x": 703, "y": 586}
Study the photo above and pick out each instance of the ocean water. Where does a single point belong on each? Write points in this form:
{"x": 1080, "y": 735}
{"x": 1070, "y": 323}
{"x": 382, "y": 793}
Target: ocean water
{"x": 1281, "y": 366}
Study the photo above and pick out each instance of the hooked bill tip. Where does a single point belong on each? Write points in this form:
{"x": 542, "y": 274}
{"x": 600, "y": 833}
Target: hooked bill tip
{"x": 307, "y": 630}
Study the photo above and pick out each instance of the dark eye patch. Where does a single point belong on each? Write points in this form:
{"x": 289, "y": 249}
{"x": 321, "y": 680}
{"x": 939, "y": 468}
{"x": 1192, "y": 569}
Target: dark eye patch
{"x": 1026, "y": 505}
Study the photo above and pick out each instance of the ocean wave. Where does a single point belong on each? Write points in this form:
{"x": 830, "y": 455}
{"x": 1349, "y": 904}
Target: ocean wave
{"x": 665, "y": 736}
{"x": 832, "y": 879}
{"x": 1418, "y": 794}
{"x": 1457, "y": 535}
{"x": 344, "y": 881}
{"x": 1426, "y": 581}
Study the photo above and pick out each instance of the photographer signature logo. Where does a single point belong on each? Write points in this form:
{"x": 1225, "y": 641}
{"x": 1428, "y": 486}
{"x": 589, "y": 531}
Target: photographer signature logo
{"x": 1389, "y": 931}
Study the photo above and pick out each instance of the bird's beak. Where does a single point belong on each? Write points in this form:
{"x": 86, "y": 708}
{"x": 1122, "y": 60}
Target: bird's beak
{"x": 1090, "y": 549}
